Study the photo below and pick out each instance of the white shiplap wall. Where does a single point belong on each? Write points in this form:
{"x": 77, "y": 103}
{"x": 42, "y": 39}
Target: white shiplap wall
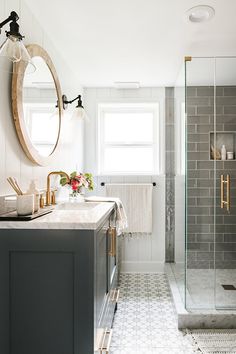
{"x": 13, "y": 161}
{"x": 144, "y": 254}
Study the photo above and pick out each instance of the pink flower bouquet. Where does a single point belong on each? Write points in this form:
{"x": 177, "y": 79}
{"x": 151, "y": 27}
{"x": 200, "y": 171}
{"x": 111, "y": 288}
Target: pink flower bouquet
{"x": 78, "y": 181}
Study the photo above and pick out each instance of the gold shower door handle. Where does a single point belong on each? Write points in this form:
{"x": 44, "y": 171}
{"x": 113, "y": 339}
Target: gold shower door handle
{"x": 226, "y": 202}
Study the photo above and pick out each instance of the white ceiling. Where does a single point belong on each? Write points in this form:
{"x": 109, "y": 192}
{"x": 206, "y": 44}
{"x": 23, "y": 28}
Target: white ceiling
{"x": 133, "y": 40}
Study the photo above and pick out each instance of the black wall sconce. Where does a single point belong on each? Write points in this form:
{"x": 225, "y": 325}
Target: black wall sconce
{"x": 13, "y": 47}
{"x": 79, "y": 111}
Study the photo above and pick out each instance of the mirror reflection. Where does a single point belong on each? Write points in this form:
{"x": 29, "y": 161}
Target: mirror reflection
{"x": 39, "y": 105}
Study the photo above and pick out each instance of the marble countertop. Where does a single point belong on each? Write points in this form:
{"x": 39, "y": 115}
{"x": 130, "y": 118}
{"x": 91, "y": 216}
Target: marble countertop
{"x": 81, "y": 216}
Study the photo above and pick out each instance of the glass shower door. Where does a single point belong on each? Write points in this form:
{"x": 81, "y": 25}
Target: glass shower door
{"x": 224, "y": 138}
{"x": 199, "y": 182}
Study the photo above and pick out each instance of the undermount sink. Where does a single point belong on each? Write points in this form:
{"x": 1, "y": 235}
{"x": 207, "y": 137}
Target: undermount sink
{"x": 77, "y": 206}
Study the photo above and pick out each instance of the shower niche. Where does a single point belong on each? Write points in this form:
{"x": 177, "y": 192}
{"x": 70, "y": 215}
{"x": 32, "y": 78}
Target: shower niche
{"x": 217, "y": 139}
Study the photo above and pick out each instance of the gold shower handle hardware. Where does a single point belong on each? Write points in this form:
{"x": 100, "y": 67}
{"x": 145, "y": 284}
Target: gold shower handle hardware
{"x": 222, "y": 191}
{"x": 228, "y": 192}
{"x": 106, "y": 342}
{"x": 226, "y": 202}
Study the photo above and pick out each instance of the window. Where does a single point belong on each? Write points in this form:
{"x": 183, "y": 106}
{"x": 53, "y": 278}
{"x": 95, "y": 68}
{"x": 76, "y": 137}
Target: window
{"x": 127, "y": 138}
{"x": 42, "y": 125}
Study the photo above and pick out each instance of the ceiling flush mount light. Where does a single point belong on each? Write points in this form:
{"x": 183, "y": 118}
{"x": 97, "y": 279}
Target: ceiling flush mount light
{"x": 79, "y": 111}
{"x": 200, "y": 13}
{"x": 13, "y": 47}
{"x": 127, "y": 85}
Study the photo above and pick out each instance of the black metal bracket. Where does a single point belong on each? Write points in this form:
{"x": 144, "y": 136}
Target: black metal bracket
{"x": 14, "y": 27}
{"x": 103, "y": 184}
{"x": 65, "y": 101}
{"x": 13, "y": 17}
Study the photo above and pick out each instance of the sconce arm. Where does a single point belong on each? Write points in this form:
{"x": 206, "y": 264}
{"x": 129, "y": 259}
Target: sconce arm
{"x": 71, "y": 101}
{"x": 14, "y": 27}
{"x": 66, "y": 102}
{"x": 13, "y": 17}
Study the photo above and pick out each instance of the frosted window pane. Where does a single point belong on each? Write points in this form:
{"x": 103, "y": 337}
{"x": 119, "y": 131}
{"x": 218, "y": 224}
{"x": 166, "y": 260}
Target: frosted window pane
{"x": 135, "y": 159}
{"x": 128, "y": 127}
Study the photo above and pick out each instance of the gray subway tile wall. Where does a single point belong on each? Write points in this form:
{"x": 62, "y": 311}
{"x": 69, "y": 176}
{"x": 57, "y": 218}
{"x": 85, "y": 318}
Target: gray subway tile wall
{"x": 211, "y": 240}
{"x": 170, "y": 174}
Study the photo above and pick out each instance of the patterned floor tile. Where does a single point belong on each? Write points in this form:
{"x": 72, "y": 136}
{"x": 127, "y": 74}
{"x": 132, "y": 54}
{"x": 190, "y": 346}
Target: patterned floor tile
{"x": 145, "y": 321}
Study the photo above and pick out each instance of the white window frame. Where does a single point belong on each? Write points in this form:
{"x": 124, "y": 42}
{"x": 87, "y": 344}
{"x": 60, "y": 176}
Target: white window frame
{"x": 152, "y": 107}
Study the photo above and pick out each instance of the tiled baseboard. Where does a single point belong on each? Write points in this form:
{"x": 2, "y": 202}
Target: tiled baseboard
{"x": 142, "y": 267}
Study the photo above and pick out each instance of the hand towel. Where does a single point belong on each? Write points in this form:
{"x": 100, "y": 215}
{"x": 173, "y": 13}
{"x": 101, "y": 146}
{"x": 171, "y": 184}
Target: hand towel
{"x": 121, "y": 218}
{"x": 137, "y": 200}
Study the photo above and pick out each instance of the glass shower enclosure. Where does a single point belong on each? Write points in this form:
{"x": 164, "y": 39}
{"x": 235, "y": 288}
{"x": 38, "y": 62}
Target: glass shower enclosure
{"x": 210, "y": 183}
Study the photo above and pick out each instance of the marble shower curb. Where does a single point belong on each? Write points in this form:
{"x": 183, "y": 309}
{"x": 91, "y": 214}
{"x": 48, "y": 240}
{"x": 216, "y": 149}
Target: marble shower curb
{"x": 199, "y": 319}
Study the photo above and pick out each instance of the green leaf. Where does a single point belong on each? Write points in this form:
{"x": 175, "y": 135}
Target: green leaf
{"x": 73, "y": 174}
{"x": 63, "y": 181}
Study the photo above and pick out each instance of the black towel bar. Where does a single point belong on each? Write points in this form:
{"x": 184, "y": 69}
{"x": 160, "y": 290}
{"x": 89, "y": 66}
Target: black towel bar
{"x": 103, "y": 184}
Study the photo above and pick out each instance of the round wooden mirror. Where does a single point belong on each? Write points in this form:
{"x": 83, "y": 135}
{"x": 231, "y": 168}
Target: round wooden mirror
{"x": 37, "y": 106}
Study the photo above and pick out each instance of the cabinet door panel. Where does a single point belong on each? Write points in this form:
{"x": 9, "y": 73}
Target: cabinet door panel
{"x": 41, "y": 303}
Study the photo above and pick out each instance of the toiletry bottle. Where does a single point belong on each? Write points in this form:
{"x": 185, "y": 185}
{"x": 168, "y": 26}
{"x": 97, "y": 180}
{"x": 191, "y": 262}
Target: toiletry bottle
{"x": 33, "y": 190}
{"x": 223, "y": 152}
{"x": 230, "y": 155}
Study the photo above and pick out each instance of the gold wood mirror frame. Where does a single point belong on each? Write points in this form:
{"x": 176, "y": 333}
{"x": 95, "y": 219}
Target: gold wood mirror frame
{"x": 18, "y": 109}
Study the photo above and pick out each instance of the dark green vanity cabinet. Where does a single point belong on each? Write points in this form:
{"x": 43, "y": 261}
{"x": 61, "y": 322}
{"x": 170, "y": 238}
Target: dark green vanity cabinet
{"x": 55, "y": 291}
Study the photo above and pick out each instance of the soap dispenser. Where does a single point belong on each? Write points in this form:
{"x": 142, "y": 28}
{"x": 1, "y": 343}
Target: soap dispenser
{"x": 223, "y": 152}
{"x": 33, "y": 190}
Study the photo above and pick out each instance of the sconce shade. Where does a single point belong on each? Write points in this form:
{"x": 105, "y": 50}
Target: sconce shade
{"x": 14, "y": 49}
{"x": 79, "y": 113}
{"x": 11, "y": 49}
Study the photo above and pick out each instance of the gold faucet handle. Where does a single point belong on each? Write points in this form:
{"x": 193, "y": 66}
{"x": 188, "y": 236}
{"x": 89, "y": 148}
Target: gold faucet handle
{"x": 53, "y": 198}
{"x": 41, "y": 201}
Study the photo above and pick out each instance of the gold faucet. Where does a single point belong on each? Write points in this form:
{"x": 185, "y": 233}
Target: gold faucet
{"x": 48, "y": 192}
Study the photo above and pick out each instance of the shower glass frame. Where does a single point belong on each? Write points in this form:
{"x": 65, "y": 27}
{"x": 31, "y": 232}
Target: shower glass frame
{"x": 204, "y": 286}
